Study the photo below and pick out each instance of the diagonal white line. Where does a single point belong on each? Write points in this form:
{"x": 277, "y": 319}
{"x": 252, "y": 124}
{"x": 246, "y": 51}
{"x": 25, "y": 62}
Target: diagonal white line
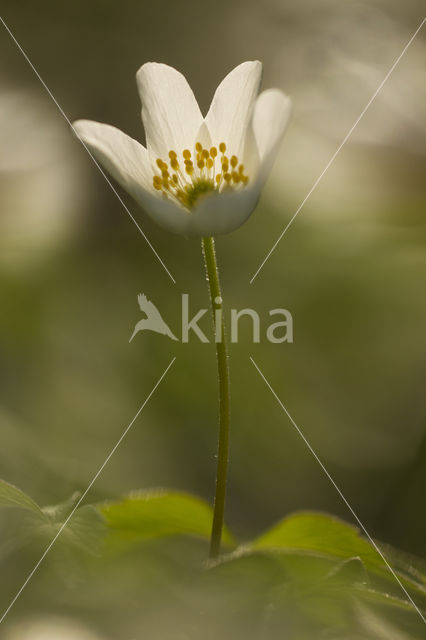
{"x": 84, "y": 494}
{"x": 339, "y": 148}
{"x": 361, "y": 525}
{"x": 88, "y": 151}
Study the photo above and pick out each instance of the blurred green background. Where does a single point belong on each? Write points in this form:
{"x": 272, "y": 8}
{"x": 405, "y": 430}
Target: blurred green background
{"x": 351, "y": 269}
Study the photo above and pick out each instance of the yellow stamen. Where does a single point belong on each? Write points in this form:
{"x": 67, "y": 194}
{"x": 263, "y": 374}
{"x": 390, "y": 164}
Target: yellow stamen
{"x": 197, "y": 177}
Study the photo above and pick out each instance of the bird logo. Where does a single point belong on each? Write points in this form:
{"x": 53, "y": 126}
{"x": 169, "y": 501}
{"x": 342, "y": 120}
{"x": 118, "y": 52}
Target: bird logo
{"x": 153, "y": 320}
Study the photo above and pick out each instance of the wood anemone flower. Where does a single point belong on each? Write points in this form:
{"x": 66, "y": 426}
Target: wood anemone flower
{"x": 197, "y": 176}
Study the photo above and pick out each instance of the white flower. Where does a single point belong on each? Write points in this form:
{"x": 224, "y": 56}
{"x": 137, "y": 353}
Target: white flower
{"x": 198, "y": 176}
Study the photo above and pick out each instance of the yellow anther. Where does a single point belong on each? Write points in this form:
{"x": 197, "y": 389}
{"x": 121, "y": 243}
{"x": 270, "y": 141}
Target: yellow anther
{"x": 185, "y": 187}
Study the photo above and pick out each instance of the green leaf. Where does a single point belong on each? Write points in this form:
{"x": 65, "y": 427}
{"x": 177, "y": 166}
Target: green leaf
{"x": 59, "y": 512}
{"x": 11, "y": 496}
{"x": 313, "y": 594}
{"x": 84, "y": 530}
{"x": 157, "y": 514}
{"x": 319, "y": 533}
{"x": 36, "y": 526}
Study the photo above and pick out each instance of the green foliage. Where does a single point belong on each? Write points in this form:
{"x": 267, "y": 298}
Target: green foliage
{"x": 11, "y": 496}
{"x": 309, "y": 576}
{"x": 322, "y": 534}
{"x": 146, "y": 515}
{"x": 296, "y": 596}
{"x": 82, "y": 532}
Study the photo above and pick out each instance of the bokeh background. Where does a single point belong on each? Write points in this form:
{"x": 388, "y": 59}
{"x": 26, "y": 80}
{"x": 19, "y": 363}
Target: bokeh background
{"x": 351, "y": 269}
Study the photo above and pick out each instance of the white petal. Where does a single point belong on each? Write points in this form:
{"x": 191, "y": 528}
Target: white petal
{"x": 223, "y": 212}
{"x": 125, "y": 159}
{"x": 128, "y": 162}
{"x": 203, "y": 136}
{"x": 165, "y": 212}
{"x": 270, "y": 119}
{"x": 170, "y": 112}
{"x": 250, "y": 159}
{"x": 231, "y": 109}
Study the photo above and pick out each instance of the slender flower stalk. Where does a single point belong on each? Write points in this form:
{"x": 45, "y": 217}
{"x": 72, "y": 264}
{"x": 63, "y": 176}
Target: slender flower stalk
{"x": 224, "y": 393}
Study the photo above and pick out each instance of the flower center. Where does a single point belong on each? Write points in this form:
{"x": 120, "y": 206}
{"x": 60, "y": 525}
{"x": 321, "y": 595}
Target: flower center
{"x": 208, "y": 172}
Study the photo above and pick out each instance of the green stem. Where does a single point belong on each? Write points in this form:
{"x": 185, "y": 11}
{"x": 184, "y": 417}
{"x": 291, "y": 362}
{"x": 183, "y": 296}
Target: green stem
{"x": 224, "y": 394}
